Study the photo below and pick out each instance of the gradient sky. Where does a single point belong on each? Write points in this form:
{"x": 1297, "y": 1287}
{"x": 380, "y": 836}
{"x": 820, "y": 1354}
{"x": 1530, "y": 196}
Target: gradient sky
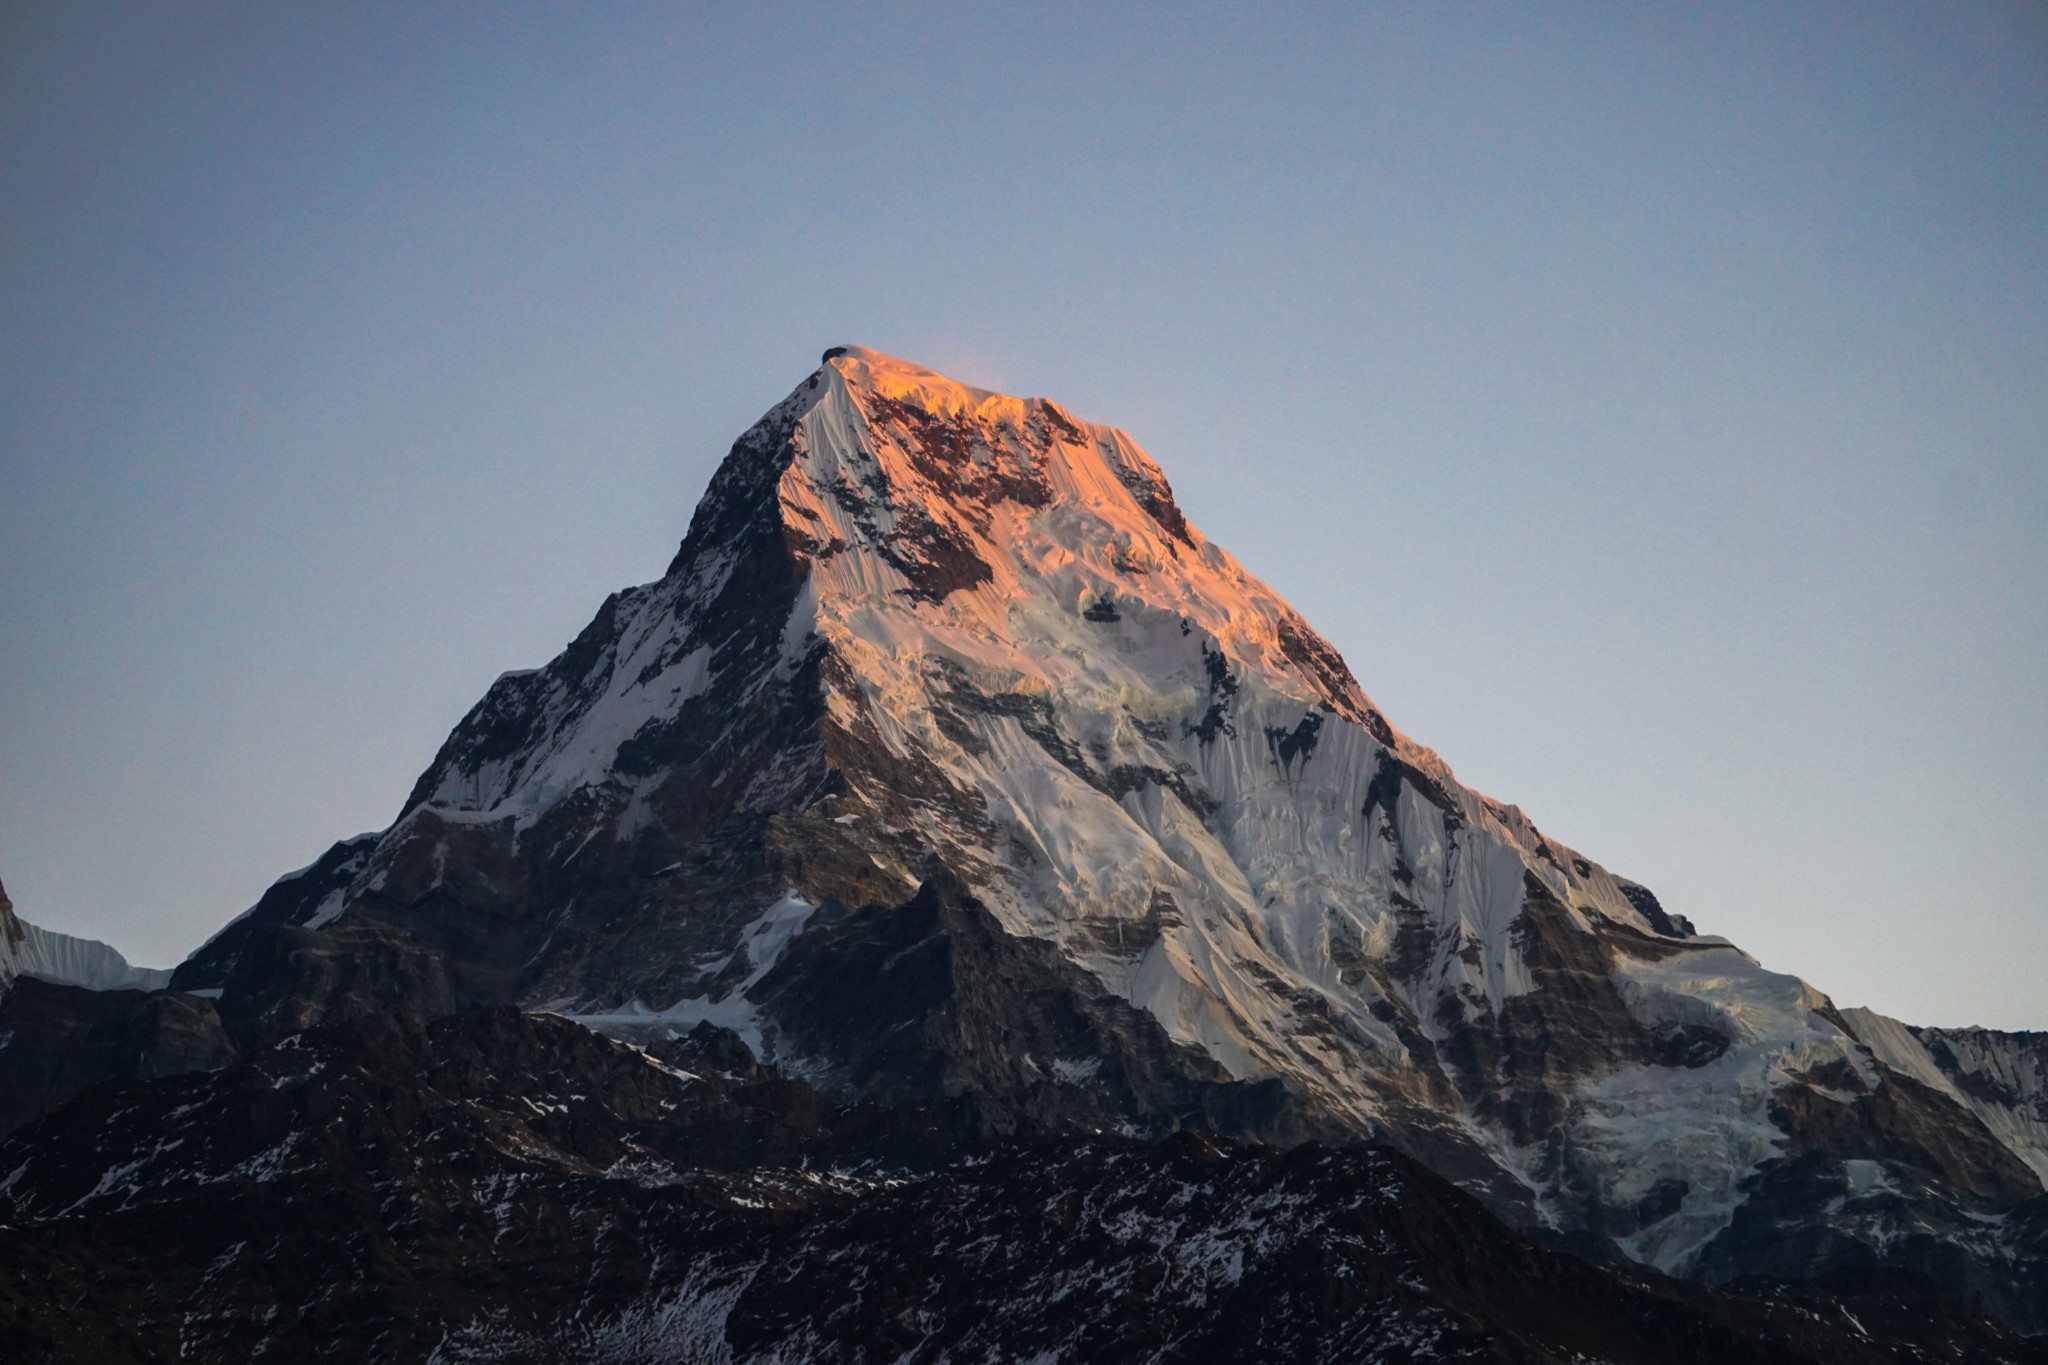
{"x": 1650, "y": 402}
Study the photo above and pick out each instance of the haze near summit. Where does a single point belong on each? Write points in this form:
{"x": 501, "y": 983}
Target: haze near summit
{"x": 1648, "y": 405}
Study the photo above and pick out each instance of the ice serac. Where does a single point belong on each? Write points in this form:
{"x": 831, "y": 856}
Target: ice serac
{"x": 948, "y": 762}
{"x": 31, "y": 950}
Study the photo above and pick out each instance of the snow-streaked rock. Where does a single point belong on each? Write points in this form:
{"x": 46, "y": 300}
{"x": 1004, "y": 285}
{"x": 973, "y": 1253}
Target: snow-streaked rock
{"x": 499, "y": 1188}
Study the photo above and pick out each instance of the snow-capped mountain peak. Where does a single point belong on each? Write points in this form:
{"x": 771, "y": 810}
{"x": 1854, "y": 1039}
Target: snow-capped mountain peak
{"x": 948, "y": 760}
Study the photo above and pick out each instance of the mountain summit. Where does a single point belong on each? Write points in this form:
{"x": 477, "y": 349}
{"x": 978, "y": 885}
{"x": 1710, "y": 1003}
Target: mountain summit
{"x": 952, "y": 770}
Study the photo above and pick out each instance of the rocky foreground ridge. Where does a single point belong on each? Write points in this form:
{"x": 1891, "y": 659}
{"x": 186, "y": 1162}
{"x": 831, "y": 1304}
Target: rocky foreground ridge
{"x": 972, "y": 807}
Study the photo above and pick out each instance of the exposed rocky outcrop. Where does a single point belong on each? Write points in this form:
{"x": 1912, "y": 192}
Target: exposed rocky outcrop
{"x": 57, "y": 1041}
{"x": 500, "y": 1187}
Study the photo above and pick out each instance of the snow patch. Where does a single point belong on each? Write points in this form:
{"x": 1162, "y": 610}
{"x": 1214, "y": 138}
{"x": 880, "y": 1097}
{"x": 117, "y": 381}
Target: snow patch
{"x": 763, "y": 940}
{"x": 329, "y": 909}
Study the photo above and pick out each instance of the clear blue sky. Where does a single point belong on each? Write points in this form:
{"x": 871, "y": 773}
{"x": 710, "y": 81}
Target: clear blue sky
{"x": 1651, "y": 402}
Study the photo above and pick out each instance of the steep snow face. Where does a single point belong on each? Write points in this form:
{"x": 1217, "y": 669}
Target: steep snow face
{"x": 917, "y": 623}
{"x": 30, "y": 950}
{"x": 1019, "y": 605}
{"x": 1183, "y": 786}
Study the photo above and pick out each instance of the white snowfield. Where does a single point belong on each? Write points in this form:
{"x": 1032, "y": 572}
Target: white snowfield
{"x": 1187, "y": 792}
{"x": 31, "y": 950}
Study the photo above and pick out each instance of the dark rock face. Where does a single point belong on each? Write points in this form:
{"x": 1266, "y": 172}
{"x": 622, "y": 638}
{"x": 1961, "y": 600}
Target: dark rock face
{"x": 287, "y": 980}
{"x": 11, "y": 931}
{"x": 1646, "y": 902}
{"x": 58, "y": 1041}
{"x": 503, "y": 1187}
{"x": 1688, "y": 1045}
